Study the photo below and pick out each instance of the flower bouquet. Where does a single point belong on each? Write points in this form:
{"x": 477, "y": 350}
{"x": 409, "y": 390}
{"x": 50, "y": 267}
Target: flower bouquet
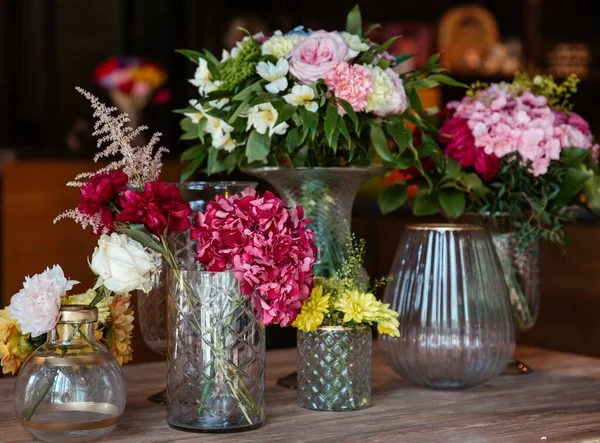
{"x": 257, "y": 258}
{"x": 516, "y": 154}
{"x": 334, "y": 338}
{"x": 315, "y": 113}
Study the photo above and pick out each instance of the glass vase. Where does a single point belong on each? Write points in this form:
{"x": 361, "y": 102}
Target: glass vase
{"x": 456, "y": 325}
{"x": 71, "y": 388}
{"x": 152, "y": 307}
{"x": 327, "y": 196}
{"x": 334, "y": 368}
{"x": 216, "y": 355}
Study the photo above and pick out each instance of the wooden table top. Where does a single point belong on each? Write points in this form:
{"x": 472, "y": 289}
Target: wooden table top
{"x": 559, "y": 402}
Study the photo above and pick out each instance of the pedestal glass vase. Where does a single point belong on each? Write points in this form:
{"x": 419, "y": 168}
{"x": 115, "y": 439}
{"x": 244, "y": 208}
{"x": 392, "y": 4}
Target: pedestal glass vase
{"x": 71, "y": 388}
{"x": 327, "y": 196}
{"x": 456, "y": 325}
{"x": 334, "y": 368}
{"x": 152, "y": 307}
{"x": 216, "y": 355}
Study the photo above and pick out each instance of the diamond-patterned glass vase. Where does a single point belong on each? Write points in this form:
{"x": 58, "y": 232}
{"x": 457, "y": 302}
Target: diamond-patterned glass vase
{"x": 216, "y": 354}
{"x": 334, "y": 368}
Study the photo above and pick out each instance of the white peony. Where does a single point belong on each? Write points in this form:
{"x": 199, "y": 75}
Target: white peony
{"x": 354, "y": 43}
{"x": 36, "y": 307}
{"x": 388, "y": 96}
{"x": 302, "y": 95}
{"x": 274, "y": 74}
{"x": 263, "y": 118}
{"x": 123, "y": 264}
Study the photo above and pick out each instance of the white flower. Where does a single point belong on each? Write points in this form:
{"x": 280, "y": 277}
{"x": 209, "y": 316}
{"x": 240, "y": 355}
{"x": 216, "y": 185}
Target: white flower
{"x": 279, "y": 45}
{"x": 202, "y": 77}
{"x": 123, "y": 264}
{"x": 223, "y": 141}
{"x": 198, "y": 115}
{"x": 302, "y": 95}
{"x": 220, "y": 131}
{"x": 354, "y": 43}
{"x": 36, "y": 307}
{"x": 263, "y": 117}
{"x": 274, "y": 74}
{"x": 388, "y": 96}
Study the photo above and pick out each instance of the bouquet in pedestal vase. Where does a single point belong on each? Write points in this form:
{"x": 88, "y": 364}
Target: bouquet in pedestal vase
{"x": 515, "y": 157}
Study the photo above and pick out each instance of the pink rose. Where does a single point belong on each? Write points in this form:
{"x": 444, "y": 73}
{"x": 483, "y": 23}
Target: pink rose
{"x": 486, "y": 165}
{"x": 315, "y": 54}
{"x": 351, "y": 83}
{"x": 397, "y": 103}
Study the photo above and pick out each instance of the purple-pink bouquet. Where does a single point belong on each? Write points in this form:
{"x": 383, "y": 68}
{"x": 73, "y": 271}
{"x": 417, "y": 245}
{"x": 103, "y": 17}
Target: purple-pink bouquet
{"x": 269, "y": 248}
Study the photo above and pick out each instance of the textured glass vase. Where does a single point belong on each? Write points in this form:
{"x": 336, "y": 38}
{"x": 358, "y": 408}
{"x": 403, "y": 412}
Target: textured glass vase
{"x": 216, "y": 355}
{"x": 152, "y": 307}
{"x": 334, "y": 368}
{"x": 327, "y": 196}
{"x": 456, "y": 325}
{"x": 71, "y": 388}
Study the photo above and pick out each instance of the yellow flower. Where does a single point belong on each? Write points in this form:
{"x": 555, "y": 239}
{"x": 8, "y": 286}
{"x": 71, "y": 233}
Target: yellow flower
{"x": 313, "y": 310}
{"x": 86, "y": 298}
{"x": 150, "y": 74}
{"x": 14, "y": 346}
{"x": 120, "y": 329}
{"x": 358, "y": 306}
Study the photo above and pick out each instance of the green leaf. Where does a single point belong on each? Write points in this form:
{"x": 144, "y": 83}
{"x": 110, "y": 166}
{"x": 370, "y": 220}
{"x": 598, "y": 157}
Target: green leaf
{"x": 354, "y": 21}
{"x": 286, "y": 113}
{"x": 248, "y": 91}
{"x": 213, "y": 165}
{"x": 190, "y": 54}
{"x": 210, "y": 58}
{"x": 426, "y": 204}
{"x": 392, "y": 197}
{"x": 379, "y": 142}
{"x": 371, "y": 28}
{"x": 310, "y": 122}
{"x": 193, "y": 166}
{"x": 144, "y": 239}
{"x": 452, "y": 202}
{"x": 415, "y": 101}
{"x": 403, "y": 57}
{"x": 344, "y": 130}
{"x": 401, "y": 135}
{"x": 573, "y": 156}
{"x": 452, "y": 168}
{"x": 243, "y": 107}
{"x": 258, "y": 146}
{"x": 572, "y": 185}
{"x": 432, "y": 62}
{"x": 385, "y": 46}
{"x": 186, "y": 124}
{"x": 446, "y": 80}
{"x": 473, "y": 183}
{"x": 331, "y": 118}
{"x": 350, "y": 112}
{"x": 424, "y": 83}
{"x": 193, "y": 152}
{"x": 294, "y": 138}
{"x": 200, "y": 129}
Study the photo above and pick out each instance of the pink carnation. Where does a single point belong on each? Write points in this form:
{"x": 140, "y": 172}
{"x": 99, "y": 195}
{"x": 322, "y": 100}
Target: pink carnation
{"x": 351, "y": 83}
{"x": 268, "y": 247}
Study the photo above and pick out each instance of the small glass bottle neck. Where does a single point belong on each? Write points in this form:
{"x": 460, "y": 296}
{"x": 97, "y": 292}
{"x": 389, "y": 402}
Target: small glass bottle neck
{"x": 72, "y": 333}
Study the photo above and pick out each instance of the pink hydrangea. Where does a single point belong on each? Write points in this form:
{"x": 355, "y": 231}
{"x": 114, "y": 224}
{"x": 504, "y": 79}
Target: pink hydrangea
{"x": 353, "y": 83}
{"x": 268, "y": 247}
{"x": 502, "y": 123}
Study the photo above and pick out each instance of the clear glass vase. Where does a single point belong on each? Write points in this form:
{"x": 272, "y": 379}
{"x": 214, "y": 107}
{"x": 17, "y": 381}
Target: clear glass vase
{"x": 152, "y": 307}
{"x": 456, "y": 325}
{"x": 71, "y": 388}
{"x": 334, "y": 368}
{"x": 216, "y": 355}
{"x": 327, "y": 196}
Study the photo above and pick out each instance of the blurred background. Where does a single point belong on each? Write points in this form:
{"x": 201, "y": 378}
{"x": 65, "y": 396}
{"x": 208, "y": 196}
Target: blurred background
{"x": 47, "y": 47}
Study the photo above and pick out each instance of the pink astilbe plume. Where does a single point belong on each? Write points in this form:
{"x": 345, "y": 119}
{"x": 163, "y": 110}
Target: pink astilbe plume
{"x": 268, "y": 247}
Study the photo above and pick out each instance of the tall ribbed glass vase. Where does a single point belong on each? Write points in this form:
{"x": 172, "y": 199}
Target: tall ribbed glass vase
{"x": 152, "y": 307}
{"x": 327, "y": 196}
{"x": 456, "y": 325}
{"x": 216, "y": 355}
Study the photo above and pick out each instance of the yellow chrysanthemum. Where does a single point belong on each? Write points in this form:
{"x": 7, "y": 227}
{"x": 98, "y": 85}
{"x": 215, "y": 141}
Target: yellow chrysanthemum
{"x": 121, "y": 329}
{"x": 313, "y": 310}
{"x": 388, "y": 323}
{"x": 358, "y": 306}
{"x": 86, "y": 298}
{"x": 14, "y": 346}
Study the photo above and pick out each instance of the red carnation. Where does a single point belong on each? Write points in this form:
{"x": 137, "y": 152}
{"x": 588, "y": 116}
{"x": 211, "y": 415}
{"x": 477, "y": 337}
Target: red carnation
{"x": 159, "y": 206}
{"x": 102, "y": 189}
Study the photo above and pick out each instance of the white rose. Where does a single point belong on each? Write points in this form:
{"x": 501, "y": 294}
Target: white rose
{"x": 123, "y": 264}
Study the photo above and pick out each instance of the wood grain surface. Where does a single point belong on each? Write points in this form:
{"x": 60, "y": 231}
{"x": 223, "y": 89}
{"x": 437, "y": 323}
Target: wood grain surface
{"x": 559, "y": 401}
